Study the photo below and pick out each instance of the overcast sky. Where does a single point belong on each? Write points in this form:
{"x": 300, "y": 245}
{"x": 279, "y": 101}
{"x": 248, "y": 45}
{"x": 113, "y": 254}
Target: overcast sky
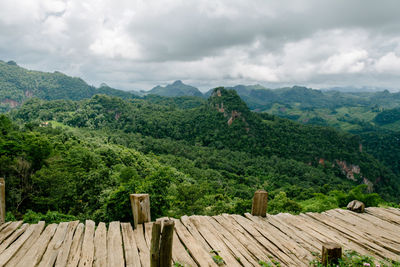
{"x": 134, "y": 44}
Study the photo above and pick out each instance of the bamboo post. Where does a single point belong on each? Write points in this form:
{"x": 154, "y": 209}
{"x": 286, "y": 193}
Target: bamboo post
{"x": 2, "y": 201}
{"x": 331, "y": 253}
{"x": 155, "y": 244}
{"x": 140, "y": 208}
{"x": 260, "y": 201}
{"x": 166, "y": 243}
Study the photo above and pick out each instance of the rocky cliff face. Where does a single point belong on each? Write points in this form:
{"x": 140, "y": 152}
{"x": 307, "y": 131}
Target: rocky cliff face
{"x": 350, "y": 170}
{"x": 353, "y": 172}
{"x": 10, "y": 102}
{"x": 224, "y": 104}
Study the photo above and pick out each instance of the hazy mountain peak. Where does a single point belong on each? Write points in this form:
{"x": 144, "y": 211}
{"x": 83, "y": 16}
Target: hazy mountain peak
{"x": 177, "y": 82}
{"x": 177, "y": 88}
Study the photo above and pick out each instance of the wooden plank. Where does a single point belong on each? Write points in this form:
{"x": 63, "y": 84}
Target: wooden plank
{"x": 323, "y": 232}
{"x": 270, "y": 246}
{"x": 4, "y": 225}
{"x": 303, "y": 239}
{"x": 147, "y": 232}
{"x": 87, "y": 253}
{"x": 76, "y": 246}
{"x": 317, "y": 231}
{"x": 353, "y": 234}
{"x": 199, "y": 254}
{"x": 382, "y": 228}
{"x": 13, "y": 237}
{"x": 179, "y": 253}
{"x": 297, "y": 253}
{"x": 115, "y": 252}
{"x": 194, "y": 232}
{"x": 50, "y": 256}
{"x": 130, "y": 248}
{"x": 384, "y": 214}
{"x": 35, "y": 253}
{"x": 394, "y": 210}
{"x": 382, "y": 223}
{"x": 62, "y": 257}
{"x": 22, "y": 245}
{"x": 330, "y": 232}
{"x": 7, "y": 231}
{"x": 215, "y": 242}
{"x": 246, "y": 240}
{"x": 239, "y": 251}
{"x": 100, "y": 246}
{"x": 144, "y": 251}
{"x": 373, "y": 233}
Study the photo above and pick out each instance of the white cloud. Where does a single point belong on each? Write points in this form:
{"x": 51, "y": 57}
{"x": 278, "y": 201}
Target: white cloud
{"x": 346, "y": 62}
{"x": 138, "y": 43}
{"x": 389, "y": 63}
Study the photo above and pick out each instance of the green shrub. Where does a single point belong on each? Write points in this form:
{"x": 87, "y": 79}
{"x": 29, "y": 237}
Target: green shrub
{"x": 50, "y": 217}
{"x": 281, "y": 203}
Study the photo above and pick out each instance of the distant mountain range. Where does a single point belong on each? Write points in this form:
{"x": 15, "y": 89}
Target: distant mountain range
{"x": 18, "y": 84}
{"x": 260, "y": 98}
{"x": 352, "y": 89}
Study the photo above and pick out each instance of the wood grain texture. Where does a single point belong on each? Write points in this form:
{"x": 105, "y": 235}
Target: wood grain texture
{"x": 62, "y": 257}
{"x": 50, "y": 256}
{"x": 87, "y": 252}
{"x": 76, "y": 246}
{"x": 238, "y": 240}
{"x": 140, "y": 204}
{"x": 260, "y": 202}
{"x": 130, "y": 248}
{"x": 115, "y": 253}
{"x": 100, "y": 246}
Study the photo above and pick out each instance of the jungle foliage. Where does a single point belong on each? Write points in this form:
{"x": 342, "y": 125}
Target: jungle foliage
{"x": 67, "y": 159}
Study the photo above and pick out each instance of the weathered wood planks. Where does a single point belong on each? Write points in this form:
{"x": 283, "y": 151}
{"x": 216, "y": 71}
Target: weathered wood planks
{"x": 100, "y": 245}
{"x": 87, "y": 252}
{"x": 115, "y": 254}
{"x": 239, "y": 240}
{"x": 130, "y": 248}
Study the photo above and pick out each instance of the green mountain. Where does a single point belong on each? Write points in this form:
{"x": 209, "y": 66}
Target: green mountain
{"x": 18, "y": 84}
{"x": 73, "y": 153}
{"x": 177, "y": 88}
{"x": 224, "y": 122}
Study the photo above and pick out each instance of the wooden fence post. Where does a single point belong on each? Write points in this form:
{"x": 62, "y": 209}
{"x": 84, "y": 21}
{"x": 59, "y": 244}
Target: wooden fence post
{"x": 331, "y": 253}
{"x": 166, "y": 243}
{"x": 155, "y": 245}
{"x": 260, "y": 201}
{"x": 140, "y": 208}
{"x": 2, "y": 200}
{"x": 161, "y": 248}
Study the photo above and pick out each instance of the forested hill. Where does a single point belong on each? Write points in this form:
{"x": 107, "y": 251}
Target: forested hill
{"x": 177, "y": 88}
{"x": 18, "y": 84}
{"x": 224, "y": 122}
{"x": 80, "y": 159}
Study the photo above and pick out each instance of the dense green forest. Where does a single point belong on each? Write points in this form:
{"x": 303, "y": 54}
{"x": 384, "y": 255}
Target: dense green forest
{"x": 67, "y": 159}
{"x": 69, "y": 150}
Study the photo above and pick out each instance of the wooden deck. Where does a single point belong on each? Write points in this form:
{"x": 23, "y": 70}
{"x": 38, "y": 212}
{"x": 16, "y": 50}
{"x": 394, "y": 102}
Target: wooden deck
{"x": 238, "y": 240}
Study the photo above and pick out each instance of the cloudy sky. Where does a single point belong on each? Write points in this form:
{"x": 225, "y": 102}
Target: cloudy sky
{"x": 134, "y": 44}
